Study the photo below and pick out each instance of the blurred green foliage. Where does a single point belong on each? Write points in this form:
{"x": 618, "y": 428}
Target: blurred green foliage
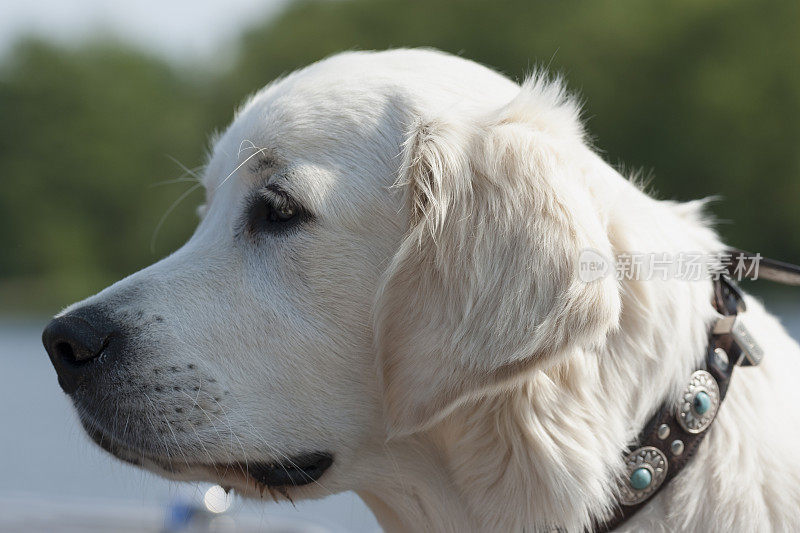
{"x": 704, "y": 96}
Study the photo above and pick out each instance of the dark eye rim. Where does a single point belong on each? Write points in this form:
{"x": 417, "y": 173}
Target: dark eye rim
{"x": 261, "y": 214}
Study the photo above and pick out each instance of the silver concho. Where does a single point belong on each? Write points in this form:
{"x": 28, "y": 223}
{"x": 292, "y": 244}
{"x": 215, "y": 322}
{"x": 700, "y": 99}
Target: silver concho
{"x": 654, "y": 461}
{"x": 688, "y": 418}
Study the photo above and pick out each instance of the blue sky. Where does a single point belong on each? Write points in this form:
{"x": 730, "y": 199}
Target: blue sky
{"x": 173, "y": 28}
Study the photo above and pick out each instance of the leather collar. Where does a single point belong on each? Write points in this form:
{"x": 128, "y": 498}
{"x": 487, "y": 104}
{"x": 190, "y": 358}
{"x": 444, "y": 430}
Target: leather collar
{"x": 672, "y": 436}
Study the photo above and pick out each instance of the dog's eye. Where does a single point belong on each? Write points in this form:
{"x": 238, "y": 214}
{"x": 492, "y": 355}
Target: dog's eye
{"x": 272, "y": 212}
{"x": 279, "y": 213}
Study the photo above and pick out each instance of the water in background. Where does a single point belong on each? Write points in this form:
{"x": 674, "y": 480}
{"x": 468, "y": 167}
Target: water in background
{"x": 54, "y": 478}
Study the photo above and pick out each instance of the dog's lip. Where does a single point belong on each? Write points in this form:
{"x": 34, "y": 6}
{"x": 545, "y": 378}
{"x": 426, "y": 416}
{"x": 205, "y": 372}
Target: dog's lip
{"x": 295, "y": 471}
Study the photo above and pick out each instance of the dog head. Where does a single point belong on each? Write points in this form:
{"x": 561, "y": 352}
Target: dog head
{"x": 385, "y": 237}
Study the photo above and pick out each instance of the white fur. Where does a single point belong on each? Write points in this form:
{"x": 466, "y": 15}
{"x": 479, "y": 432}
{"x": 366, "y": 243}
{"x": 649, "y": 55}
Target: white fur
{"x": 429, "y": 327}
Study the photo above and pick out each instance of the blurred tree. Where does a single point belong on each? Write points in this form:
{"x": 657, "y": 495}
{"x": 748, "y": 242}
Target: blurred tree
{"x": 83, "y": 133}
{"x": 705, "y": 96}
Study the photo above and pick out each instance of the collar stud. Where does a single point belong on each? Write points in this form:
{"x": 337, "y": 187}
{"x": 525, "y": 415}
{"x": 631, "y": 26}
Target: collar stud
{"x": 641, "y": 478}
{"x": 699, "y": 403}
{"x": 646, "y": 469}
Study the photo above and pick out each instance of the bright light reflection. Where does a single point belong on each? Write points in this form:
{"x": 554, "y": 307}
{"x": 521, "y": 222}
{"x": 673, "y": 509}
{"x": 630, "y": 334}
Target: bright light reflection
{"x": 216, "y": 500}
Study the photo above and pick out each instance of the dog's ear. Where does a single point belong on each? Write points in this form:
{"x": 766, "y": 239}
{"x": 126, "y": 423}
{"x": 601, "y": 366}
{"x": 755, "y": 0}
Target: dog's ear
{"x": 485, "y": 287}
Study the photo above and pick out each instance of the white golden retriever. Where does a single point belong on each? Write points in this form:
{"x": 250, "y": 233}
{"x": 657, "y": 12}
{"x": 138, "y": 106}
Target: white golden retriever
{"x": 383, "y": 296}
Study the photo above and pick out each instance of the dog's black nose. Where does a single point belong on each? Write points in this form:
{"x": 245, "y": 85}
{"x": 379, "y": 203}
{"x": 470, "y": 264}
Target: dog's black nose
{"x": 73, "y": 342}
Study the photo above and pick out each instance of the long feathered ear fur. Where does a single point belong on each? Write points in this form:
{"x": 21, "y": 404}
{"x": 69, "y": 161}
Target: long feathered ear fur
{"x": 485, "y": 288}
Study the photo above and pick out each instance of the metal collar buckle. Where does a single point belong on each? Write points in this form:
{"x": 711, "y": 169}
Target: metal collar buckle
{"x": 736, "y": 327}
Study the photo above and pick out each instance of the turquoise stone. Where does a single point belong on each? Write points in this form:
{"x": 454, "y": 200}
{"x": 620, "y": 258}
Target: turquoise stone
{"x": 641, "y": 478}
{"x": 701, "y": 403}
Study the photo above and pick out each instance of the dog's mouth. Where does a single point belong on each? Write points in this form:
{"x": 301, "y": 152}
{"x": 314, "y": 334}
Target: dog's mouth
{"x": 294, "y": 471}
{"x": 290, "y": 471}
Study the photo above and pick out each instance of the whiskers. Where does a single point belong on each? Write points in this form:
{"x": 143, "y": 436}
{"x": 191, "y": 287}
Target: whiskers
{"x": 253, "y": 433}
{"x": 238, "y": 437}
{"x": 246, "y": 144}
{"x": 188, "y": 176}
{"x": 192, "y": 175}
{"x": 169, "y": 210}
